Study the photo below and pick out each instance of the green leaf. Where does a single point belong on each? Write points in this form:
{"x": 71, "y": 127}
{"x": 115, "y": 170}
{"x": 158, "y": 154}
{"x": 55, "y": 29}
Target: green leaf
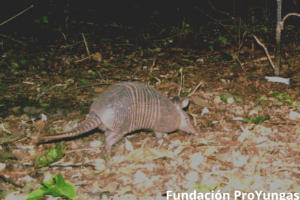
{"x": 92, "y": 73}
{"x": 36, "y": 195}
{"x": 275, "y": 94}
{"x": 84, "y": 82}
{"x": 282, "y": 96}
{"x": 225, "y": 96}
{"x": 49, "y": 182}
{"x": 58, "y": 188}
{"x": 226, "y": 57}
{"x": 15, "y": 66}
{"x": 258, "y": 108}
{"x": 64, "y": 188}
{"x": 295, "y": 104}
{"x": 290, "y": 100}
{"x": 37, "y": 21}
{"x": 50, "y": 156}
{"x": 264, "y": 99}
{"x": 25, "y": 62}
{"x": 204, "y": 187}
{"x": 53, "y": 152}
{"x": 199, "y": 101}
{"x": 236, "y": 98}
{"x": 45, "y": 19}
{"x": 224, "y": 40}
{"x": 257, "y": 120}
{"x": 184, "y": 94}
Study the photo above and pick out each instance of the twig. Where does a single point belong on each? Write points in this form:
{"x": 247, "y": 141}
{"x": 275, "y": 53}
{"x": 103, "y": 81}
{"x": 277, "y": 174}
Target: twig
{"x": 266, "y": 50}
{"x": 52, "y": 52}
{"x": 83, "y": 59}
{"x": 19, "y": 41}
{"x": 194, "y": 118}
{"x": 99, "y": 73}
{"x": 240, "y": 46}
{"x": 241, "y": 43}
{"x": 181, "y": 81}
{"x": 221, "y": 161}
{"x": 14, "y": 136}
{"x": 88, "y": 86}
{"x": 153, "y": 64}
{"x": 4, "y": 129}
{"x": 218, "y": 23}
{"x": 42, "y": 53}
{"x": 139, "y": 9}
{"x": 219, "y": 10}
{"x": 10, "y": 181}
{"x": 240, "y": 64}
{"x": 296, "y": 14}
{"x": 159, "y": 81}
{"x": 138, "y": 69}
{"x": 87, "y": 48}
{"x": 64, "y": 166}
{"x": 166, "y": 38}
{"x": 64, "y": 35}
{"x": 236, "y": 57}
{"x": 196, "y": 88}
{"x": 16, "y": 15}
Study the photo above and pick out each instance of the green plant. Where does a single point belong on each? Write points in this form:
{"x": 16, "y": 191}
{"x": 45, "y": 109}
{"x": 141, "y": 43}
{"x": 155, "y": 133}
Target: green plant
{"x": 280, "y": 99}
{"x": 183, "y": 94}
{"x": 256, "y": 120}
{"x": 182, "y": 29}
{"x": 2, "y": 85}
{"x": 236, "y": 98}
{"x": 209, "y": 187}
{"x": 92, "y": 73}
{"x": 285, "y": 97}
{"x": 84, "y": 82}
{"x": 57, "y": 187}
{"x": 50, "y": 156}
{"x": 15, "y": 66}
{"x": 222, "y": 40}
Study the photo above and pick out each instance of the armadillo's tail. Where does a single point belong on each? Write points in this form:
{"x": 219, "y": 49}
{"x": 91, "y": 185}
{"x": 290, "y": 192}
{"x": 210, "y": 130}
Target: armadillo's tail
{"x": 91, "y": 123}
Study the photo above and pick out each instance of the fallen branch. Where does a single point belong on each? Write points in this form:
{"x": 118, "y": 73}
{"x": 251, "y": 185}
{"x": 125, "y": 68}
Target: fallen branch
{"x": 16, "y": 15}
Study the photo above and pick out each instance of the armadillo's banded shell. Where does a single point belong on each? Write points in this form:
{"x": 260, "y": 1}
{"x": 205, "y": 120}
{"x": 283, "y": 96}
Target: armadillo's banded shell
{"x": 126, "y": 107}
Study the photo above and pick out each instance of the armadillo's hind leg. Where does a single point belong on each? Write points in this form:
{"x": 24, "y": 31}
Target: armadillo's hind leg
{"x": 110, "y": 139}
{"x": 159, "y": 135}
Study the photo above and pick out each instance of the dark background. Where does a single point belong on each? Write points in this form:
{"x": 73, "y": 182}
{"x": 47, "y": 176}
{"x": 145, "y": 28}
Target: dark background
{"x": 72, "y": 17}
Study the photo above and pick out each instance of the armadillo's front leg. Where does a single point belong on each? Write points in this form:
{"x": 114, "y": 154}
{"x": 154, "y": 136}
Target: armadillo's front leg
{"x": 110, "y": 139}
{"x": 159, "y": 136}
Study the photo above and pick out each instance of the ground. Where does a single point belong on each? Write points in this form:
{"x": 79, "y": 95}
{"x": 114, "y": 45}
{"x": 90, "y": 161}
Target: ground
{"x": 230, "y": 155}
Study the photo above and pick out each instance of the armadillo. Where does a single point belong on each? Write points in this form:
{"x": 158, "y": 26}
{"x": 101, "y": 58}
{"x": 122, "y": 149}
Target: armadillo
{"x": 129, "y": 106}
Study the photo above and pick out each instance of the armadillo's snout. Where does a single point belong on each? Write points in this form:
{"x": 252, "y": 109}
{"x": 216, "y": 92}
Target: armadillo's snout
{"x": 193, "y": 131}
{"x": 188, "y": 128}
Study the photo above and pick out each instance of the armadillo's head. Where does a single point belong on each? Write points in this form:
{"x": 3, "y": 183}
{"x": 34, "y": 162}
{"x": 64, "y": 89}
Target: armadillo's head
{"x": 185, "y": 124}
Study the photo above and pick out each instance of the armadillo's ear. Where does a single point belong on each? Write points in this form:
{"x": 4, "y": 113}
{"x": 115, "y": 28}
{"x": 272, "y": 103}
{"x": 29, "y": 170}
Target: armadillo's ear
{"x": 185, "y": 102}
{"x": 176, "y": 100}
{"x": 182, "y": 103}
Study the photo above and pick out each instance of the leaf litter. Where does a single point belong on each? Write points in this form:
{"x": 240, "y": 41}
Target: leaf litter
{"x": 229, "y": 155}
